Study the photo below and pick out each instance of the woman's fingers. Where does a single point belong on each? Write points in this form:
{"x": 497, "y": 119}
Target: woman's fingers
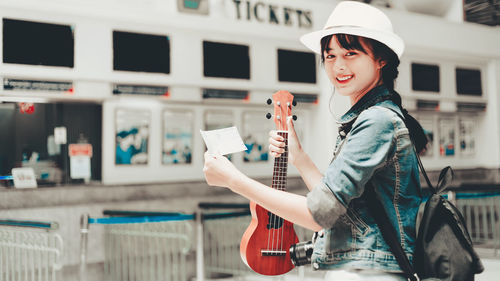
{"x": 274, "y": 135}
{"x": 217, "y": 169}
{"x": 276, "y": 144}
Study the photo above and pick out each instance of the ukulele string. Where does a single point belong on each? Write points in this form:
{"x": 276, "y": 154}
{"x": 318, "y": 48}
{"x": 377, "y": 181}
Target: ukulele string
{"x": 275, "y": 218}
{"x": 282, "y": 180}
{"x": 285, "y": 161}
{"x": 283, "y": 175}
{"x": 270, "y": 214}
{"x": 276, "y": 184}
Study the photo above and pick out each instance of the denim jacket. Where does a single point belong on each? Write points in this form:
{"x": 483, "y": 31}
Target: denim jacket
{"x": 377, "y": 149}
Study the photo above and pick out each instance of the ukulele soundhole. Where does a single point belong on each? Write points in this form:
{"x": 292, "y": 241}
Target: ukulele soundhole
{"x": 274, "y": 221}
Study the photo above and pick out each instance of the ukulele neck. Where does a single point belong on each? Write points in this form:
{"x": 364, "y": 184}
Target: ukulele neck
{"x": 281, "y": 165}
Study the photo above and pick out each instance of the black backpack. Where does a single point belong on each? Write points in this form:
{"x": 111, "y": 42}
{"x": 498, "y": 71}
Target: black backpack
{"x": 444, "y": 249}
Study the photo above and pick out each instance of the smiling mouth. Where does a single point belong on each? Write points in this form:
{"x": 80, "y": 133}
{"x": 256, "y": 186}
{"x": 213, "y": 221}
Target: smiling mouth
{"x": 344, "y": 79}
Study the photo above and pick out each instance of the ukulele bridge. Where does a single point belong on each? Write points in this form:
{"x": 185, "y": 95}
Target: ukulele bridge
{"x": 272, "y": 253}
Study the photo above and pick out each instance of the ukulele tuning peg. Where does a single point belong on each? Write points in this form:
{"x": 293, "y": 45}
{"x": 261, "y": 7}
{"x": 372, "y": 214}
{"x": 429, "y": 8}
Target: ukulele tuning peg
{"x": 294, "y": 103}
{"x": 268, "y": 115}
{"x": 269, "y": 101}
{"x": 294, "y": 117}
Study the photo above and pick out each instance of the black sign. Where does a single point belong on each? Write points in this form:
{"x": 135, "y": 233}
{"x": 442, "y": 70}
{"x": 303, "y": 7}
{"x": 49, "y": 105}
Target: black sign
{"x": 482, "y": 11}
{"x": 35, "y": 85}
{"x": 120, "y": 89}
{"x": 471, "y": 106}
{"x": 305, "y": 98}
{"x": 224, "y": 94}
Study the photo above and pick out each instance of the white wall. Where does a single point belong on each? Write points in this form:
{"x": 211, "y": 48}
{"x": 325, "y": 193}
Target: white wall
{"x": 427, "y": 37}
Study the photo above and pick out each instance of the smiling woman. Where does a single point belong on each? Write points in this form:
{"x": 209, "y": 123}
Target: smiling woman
{"x": 360, "y": 53}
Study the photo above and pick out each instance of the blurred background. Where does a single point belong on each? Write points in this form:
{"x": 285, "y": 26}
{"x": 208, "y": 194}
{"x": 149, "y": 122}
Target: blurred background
{"x": 103, "y": 100}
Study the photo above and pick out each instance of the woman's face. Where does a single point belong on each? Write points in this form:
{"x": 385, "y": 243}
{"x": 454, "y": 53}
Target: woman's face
{"x": 352, "y": 72}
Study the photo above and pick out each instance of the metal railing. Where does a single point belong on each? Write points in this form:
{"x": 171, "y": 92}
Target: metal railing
{"x": 142, "y": 245}
{"x": 221, "y": 234}
{"x": 481, "y": 212}
{"x": 29, "y": 250}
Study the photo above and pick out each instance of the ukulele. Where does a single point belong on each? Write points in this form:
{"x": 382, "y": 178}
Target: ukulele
{"x": 266, "y": 242}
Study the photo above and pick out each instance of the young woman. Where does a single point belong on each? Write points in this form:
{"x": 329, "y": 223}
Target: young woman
{"x": 360, "y": 54}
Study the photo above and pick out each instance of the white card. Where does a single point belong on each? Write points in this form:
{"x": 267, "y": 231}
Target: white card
{"x": 223, "y": 141}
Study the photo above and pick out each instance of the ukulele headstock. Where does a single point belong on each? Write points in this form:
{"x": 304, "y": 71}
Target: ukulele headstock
{"x": 282, "y": 101}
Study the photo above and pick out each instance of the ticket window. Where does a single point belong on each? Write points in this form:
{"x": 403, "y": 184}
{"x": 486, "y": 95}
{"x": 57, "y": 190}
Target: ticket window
{"x": 28, "y": 139}
{"x": 132, "y": 136}
{"x": 177, "y": 140}
{"x": 256, "y": 129}
{"x": 449, "y": 136}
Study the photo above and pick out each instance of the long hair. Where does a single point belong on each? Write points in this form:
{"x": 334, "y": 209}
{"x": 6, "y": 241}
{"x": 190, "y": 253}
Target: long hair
{"x": 389, "y": 73}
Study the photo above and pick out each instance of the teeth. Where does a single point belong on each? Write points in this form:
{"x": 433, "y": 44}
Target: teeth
{"x": 344, "y": 78}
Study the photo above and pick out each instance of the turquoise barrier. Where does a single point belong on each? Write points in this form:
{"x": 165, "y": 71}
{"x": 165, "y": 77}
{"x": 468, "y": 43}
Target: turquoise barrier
{"x": 143, "y": 219}
{"x": 467, "y": 195}
{"x": 161, "y": 218}
{"x": 32, "y": 224}
{"x": 477, "y": 195}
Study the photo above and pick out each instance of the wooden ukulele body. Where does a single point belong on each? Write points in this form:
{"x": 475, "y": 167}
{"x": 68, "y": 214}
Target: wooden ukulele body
{"x": 266, "y": 251}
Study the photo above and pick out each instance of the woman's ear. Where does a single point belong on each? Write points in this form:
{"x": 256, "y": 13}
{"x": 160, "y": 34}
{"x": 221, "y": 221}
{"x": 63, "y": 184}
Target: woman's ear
{"x": 381, "y": 63}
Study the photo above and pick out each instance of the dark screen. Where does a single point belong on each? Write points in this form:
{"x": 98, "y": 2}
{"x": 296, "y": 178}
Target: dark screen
{"x": 226, "y": 60}
{"x": 296, "y": 66}
{"x": 425, "y": 77}
{"x": 141, "y": 52}
{"x": 468, "y": 82}
{"x": 35, "y": 43}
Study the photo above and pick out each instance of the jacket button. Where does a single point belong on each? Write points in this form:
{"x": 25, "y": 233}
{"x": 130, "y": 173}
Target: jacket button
{"x": 315, "y": 265}
{"x": 342, "y": 133}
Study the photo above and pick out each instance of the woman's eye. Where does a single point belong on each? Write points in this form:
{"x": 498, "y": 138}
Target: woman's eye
{"x": 350, "y": 53}
{"x": 330, "y": 56}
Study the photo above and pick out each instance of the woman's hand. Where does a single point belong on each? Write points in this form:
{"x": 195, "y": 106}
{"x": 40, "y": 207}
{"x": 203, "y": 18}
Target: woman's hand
{"x": 219, "y": 171}
{"x": 277, "y": 144}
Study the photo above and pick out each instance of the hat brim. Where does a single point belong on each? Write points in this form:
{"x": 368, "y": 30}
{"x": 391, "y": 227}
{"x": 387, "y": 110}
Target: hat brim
{"x": 313, "y": 40}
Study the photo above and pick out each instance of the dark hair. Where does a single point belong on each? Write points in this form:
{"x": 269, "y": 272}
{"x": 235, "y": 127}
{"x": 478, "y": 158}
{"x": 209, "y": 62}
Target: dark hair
{"x": 389, "y": 73}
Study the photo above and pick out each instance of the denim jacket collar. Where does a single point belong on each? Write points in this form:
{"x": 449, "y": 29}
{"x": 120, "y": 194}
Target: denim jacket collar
{"x": 374, "y": 96}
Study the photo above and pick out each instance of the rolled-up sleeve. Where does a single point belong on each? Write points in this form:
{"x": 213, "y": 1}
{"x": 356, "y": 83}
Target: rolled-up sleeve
{"x": 324, "y": 206}
{"x": 370, "y": 143}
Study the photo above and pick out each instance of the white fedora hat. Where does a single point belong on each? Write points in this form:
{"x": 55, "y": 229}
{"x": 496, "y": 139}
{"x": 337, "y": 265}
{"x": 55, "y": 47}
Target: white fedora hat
{"x": 356, "y": 18}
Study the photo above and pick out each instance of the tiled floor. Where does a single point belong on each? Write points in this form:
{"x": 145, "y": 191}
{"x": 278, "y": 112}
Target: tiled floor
{"x": 490, "y": 261}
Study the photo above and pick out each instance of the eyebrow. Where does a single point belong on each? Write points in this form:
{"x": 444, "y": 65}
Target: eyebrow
{"x": 327, "y": 49}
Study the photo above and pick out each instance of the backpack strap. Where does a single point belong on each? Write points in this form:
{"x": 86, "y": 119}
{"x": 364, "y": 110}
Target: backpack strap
{"x": 389, "y": 233}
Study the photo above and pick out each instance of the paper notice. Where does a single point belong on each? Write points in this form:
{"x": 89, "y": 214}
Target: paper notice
{"x": 223, "y": 141}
